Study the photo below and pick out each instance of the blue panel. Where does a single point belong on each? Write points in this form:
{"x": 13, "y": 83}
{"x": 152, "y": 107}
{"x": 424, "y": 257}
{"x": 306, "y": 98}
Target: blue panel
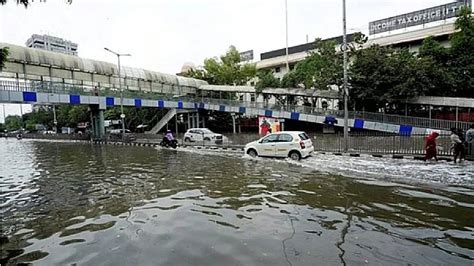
{"x": 222, "y": 108}
{"x": 109, "y": 101}
{"x": 242, "y": 110}
{"x": 196, "y": 105}
{"x": 295, "y": 116}
{"x": 138, "y": 103}
{"x": 74, "y": 99}
{"x": 268, "y": 113}
{"x": 201, "y": 106}
{"x": 161, "y": 104}
{"x": 329, "y": 120}
{"x": 180, "y": 105}
{"x": 29, "y": 96}
{"x": 406, "y": 130}
{"x": 358, "y": 123}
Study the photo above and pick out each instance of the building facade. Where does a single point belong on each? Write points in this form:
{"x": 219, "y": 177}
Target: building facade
{"x": 53, "y": 44}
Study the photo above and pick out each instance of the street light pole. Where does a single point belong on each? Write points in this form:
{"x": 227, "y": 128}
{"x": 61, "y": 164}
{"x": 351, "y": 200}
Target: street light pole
{"x": 122, "y": 115}
{"x": 286, "y": 26}
{"x": 346, "y": 89}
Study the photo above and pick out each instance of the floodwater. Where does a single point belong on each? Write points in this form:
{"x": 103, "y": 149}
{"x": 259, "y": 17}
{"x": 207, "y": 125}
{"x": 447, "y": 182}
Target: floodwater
{"x": 82, "y": 204}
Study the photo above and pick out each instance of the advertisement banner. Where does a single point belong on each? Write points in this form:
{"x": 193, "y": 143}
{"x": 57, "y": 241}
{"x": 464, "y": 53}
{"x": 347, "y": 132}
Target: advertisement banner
{"x": 268, "y": 125}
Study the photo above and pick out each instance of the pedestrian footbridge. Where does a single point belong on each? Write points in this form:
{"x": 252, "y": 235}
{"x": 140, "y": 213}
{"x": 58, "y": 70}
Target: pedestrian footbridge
{"x": 35, "y": 76}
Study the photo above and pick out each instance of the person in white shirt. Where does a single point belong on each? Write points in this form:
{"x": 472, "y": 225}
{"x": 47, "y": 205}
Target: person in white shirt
{"x": 456, "y": 145}
{"x": 470, "y": 140}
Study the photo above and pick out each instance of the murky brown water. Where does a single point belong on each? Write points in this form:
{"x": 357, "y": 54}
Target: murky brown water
{"x": 68, "y": 203}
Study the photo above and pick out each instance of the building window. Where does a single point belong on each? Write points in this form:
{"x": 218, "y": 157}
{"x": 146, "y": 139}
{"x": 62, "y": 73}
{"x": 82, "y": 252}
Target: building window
{"x": 277, "y": 70}
{"x": 252, "y": 97}
{"x": 292, "y": 67}
{"x": 252, "y": 83}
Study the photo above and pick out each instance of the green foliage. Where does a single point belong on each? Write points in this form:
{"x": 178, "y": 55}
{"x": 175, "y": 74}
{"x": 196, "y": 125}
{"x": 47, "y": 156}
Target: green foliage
{"x": 462, "y": 47}
{"x": 136, "y": 116}
{"x": 78, "y": 114}
{"x": 3, "y": 57}
{"x": 321, "y": 69}
{"x": 289, "y": 80}
{"x": 380, "y": 75}
{"x": 13, "y": 122}
{"x": 226, "y": 70}
{"x": 266, "y": 80}
{"x": 2, "y": 127}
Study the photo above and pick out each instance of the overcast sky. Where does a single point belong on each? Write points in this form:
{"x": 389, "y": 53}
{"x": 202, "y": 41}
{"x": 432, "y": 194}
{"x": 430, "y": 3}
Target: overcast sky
{"x": 162, "y": 35}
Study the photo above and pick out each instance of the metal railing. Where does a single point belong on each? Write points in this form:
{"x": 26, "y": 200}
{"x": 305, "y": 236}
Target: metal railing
{"x": 62, "y": 88}
{"x": 380, "y": 144}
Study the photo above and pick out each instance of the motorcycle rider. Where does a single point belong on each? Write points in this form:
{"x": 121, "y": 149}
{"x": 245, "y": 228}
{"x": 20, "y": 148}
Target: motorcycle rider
{"x": 169, "y": 138}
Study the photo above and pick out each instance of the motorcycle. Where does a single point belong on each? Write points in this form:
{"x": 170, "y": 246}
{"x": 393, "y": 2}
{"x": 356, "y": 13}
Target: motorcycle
{"x": 169, "y": 144}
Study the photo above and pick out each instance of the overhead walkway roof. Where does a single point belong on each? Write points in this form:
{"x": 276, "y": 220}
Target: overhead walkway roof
{"x": 45, "y": 58}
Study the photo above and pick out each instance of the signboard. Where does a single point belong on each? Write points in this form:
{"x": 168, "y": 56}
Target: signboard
{"x": 246, "y": 56}
{"x": 416, "y": 18}
{"x": 268, "y": 125}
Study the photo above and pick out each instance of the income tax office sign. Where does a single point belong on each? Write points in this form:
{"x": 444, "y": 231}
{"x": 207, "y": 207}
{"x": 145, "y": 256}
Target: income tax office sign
{"x": 416, "y": 18}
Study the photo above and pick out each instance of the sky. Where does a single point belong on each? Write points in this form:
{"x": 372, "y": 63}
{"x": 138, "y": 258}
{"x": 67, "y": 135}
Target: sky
{"x": 162, "y": 35}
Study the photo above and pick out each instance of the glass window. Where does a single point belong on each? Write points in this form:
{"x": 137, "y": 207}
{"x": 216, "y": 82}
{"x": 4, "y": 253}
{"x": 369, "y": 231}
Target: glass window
{"x": 207, "y": 131}
{"x": 277, "y": 70}
{"x": 285, "y": 138}
{"x": 303, "y": 136}
{"x": 271, "y": 138}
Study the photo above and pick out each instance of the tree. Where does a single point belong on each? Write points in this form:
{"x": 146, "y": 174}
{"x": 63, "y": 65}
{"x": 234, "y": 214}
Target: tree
{"x": 226, "y": 70}
{"x": 321, "y": 69}
{"x": 136, "y": 116}
{"x": 3, "y": 57}
{"x": 78, "y": 114}
{"x": 462, "y": 47}
{"x": 13, "y": 122}
{"x": 266, "y": 80}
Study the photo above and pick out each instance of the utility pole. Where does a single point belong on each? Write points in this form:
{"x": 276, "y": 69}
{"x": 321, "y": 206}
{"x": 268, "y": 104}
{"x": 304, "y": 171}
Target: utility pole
{"x": 122, "y": 115}
{"x": 286, "y": 25}
{"x": 4, "y": 118}
{"x": 55, "y": 122}
{"x": 345, "y": 87}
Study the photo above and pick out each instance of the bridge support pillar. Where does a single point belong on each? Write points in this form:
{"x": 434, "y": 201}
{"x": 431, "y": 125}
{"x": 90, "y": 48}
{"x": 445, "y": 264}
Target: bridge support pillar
{"x": 197, "y": 119}
{"x": 233, "y": 123}
{"x": 189, "y": 121}
{"x": 98, "y": 123}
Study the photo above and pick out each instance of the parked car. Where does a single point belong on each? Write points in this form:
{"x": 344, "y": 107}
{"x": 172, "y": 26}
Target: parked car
{"x": 293, "y": 144}
{"x": 201, "y": 135}
{"x": 116, "y": 134}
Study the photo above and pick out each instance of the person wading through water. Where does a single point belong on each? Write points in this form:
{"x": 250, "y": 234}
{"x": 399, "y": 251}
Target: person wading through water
{"x": 430, "y": 146}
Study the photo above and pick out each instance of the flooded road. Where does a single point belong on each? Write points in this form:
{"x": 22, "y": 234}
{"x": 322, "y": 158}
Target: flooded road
{"x": 70, "y": 203}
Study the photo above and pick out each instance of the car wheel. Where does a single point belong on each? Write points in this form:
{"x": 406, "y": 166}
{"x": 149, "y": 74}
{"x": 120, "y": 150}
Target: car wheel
{"x": 294, "y": 155}
{"x": 207, "y": 139}
{"x": 187, "y": 140}
{"x": 252, "y": 153}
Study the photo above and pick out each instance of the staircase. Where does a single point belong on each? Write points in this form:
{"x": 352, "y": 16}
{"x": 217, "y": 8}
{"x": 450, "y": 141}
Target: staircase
{"x": 164, "y": 120}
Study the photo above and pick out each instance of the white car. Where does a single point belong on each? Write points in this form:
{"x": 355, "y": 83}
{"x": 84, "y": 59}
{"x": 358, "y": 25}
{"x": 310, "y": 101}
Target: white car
{"x": 202, "y": 135}
{"x": 293, "y": 144}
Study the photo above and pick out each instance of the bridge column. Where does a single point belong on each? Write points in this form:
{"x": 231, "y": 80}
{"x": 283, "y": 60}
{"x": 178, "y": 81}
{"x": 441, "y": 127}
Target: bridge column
{"x": 233, "y": 123}
{"x": 97, "y": 122}
{"x": 197, "y": 119}
{"x": 101, "y": 124}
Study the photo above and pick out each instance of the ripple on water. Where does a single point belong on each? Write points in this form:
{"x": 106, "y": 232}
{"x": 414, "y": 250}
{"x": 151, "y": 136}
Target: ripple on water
{"x": 85, "y": 204}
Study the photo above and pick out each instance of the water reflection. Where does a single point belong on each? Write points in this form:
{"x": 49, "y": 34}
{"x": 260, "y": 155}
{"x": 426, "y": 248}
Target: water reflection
{"x": 65, "y": 203}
